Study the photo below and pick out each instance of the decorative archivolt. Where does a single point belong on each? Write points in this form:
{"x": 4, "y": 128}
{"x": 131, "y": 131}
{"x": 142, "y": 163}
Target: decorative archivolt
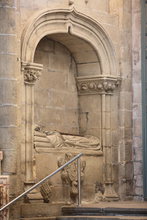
{"x": 69, "y": 22}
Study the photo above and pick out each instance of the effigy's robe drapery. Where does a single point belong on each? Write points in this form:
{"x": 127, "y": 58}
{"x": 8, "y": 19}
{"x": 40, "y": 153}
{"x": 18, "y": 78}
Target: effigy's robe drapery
{"x": 55, "y": 139}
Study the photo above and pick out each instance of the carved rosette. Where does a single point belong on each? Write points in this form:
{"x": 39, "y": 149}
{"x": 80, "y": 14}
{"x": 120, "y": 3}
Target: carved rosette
{"x": 97, "y": 84}
{"x": 32, "y": 72}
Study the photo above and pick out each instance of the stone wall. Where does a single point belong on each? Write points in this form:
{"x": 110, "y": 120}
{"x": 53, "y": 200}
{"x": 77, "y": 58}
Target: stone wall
{"x": 123, "y": 10}
{"x": 10, "y": 91}
{"x": 10, "y": 101}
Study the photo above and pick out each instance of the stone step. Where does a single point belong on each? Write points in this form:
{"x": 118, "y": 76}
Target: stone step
{"x": 40, "y": 210}
{"x": 104, "y": 211}
{"x": 88, "y": 218}
{"x": 101, "y": 218}
{"x": 107, "y": 211}
{"x": 39, "y": 218}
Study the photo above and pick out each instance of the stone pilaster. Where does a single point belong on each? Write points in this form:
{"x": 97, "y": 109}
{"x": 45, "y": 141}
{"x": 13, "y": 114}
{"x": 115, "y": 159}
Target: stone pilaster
{"x": 31, "y": 72}
{"x": 105, "y": 86}
{"x": 110, "y": 193}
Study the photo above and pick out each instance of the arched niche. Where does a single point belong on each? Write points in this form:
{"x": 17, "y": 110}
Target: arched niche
{"x": 55, "y": 93}
{"x": 90, "y": 46}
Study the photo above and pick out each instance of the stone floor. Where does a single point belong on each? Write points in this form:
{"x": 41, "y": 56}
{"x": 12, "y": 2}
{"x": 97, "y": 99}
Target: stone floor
{"x": 124, "y": 204}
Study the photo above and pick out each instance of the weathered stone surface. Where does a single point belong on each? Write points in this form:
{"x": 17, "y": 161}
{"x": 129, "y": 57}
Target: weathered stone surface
{"x": 9, "y": 165}
{"x": 10, "y": 69}
{"x": 58, "y": 83}
{"x": 8, "y": 116}
{"x": 138, "y": 168}
{"x": 138, "y": 180}
{"x": 9, "y": 3}
{"x": 8, "y": 96}
{"x": 139, "y": 191}
{"x": 7, "y": 14}
{"x": 138, "y": 153}
{"x": 128, "y": 151}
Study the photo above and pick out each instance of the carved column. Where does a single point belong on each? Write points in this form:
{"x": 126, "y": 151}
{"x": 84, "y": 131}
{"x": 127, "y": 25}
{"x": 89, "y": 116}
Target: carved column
{"x": 104, "y": 86}
{"x": 32, "y": 72}
{"x": 110, "y": 193}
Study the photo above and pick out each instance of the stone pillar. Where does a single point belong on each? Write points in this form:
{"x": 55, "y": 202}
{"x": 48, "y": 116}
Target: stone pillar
{"x": 110, "y": 193}
{"x": 104, "y": 86}
{"x": 32, "y": 72}
{"x": 123, "y": 10}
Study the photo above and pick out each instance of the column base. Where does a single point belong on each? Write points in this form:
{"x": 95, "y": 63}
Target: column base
{"x": 110, "y": 194}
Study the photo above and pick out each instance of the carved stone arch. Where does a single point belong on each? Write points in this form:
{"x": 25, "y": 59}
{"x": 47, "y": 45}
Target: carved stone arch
{"x": 63, "y": 21}
{"x": 47, "y": 23}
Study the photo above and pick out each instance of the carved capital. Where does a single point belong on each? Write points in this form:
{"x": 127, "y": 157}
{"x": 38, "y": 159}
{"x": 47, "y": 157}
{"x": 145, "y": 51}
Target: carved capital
{"x": 32, "y": 72}
{"x": 97, "y": 84}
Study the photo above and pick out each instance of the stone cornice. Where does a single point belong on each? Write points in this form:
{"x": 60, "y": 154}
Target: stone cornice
{"x": 101, "y": 84}
{"x": 32, "y": 72}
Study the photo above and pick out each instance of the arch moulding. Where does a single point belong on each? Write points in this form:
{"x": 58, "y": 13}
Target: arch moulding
{"x": 69, "y": 21}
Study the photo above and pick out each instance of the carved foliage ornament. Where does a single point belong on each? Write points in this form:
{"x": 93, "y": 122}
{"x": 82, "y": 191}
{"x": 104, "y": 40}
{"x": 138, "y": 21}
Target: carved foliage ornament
{"x": 97, "y": 84}
{"x": 32, "y": 72}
